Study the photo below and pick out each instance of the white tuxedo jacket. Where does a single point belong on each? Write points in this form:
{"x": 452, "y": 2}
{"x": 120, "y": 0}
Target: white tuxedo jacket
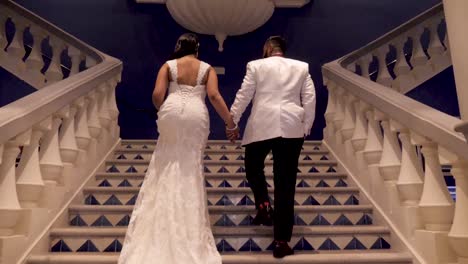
{"x": 283, "y": 99}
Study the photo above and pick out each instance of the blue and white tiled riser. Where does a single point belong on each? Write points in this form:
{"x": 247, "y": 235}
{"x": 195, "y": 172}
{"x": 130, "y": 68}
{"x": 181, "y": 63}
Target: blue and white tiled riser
{"x": 237, "y": 244}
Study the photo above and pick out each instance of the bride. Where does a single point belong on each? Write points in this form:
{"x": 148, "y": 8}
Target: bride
{"x": 170, "y": 223}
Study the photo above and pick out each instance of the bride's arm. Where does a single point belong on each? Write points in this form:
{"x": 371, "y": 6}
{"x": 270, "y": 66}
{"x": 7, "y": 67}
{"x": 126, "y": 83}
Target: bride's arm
{"x": 216, "y": 99}
{"x": 160, "y": 87}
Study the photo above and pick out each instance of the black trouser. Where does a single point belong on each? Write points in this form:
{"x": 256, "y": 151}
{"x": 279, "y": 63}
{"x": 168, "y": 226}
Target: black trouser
{"x": 286, "y": 153}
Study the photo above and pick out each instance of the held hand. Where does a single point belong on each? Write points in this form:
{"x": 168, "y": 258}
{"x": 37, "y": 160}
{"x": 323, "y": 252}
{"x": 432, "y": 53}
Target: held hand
{"x": 232, "y": 133}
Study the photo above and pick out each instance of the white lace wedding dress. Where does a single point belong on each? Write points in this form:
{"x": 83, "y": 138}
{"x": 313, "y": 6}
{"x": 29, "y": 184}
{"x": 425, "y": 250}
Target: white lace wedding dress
{"x": 170, "y": 223}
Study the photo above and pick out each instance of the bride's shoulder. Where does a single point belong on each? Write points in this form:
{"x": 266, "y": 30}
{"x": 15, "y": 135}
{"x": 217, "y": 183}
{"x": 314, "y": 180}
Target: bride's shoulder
{"x": 206, "y": 64}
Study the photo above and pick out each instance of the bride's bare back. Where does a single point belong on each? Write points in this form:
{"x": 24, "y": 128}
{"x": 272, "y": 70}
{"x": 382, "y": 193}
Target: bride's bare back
{"x": 188, "y": 69}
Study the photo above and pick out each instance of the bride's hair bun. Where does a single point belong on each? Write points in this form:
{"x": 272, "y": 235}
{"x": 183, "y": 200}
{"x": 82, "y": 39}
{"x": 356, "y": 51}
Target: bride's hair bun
{"x": 187, "y": 44}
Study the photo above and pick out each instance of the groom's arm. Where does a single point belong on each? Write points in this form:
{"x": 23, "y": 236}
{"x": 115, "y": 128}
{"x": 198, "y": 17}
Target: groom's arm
{"x": 308, "y": 102}
{"x": 244, "y": 95}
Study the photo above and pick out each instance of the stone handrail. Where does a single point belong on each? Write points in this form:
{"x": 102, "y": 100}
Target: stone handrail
{"x": 393, "y": 147}
{"x": 418, "y": 39}
{"x": 52, "y": 140}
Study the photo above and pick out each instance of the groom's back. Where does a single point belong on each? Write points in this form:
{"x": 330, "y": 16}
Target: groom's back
{"x": 280, "y": 77}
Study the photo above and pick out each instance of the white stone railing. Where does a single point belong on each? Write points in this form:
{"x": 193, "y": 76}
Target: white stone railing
{"x": 407, "y": 56}
{"x": 24, "y": 53}
{"x": 393, "y": 147}
{"x": 52, "y": 140}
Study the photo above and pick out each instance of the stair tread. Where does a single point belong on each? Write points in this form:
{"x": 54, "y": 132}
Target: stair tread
{"x": 150, "y": 150}
{"x": 307, "y": 190}
{"x": 229, "y": 209}
{"x": 226, "y": 162}
{"x": 318, "y": 257}
{"x": 231, "y": 175}
{"x": 226, "y": 142}
{"x": 229, "y": 231}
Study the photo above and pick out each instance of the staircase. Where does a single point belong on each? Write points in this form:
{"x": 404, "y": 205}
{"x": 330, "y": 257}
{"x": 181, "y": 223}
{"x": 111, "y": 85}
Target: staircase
{"x": 372, "y": 192}
{"x": 333, "y": 223}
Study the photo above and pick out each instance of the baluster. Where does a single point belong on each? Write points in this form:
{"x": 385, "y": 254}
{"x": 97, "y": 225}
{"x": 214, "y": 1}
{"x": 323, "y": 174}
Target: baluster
{"x": 94, "y": 125}
{"x": 68, "y": 145}
{"x": 436, "y": 204}
{"x": 435, "y": 47}
{"x": 75, "y": 56}
{"x": 338, "y": 119}
{"x": 349, "y": 117}
{"x": 447, "y": 42}
{"x": 16, "y": 50}
{"x": 30, "y": 185}
{"x": 34, "y": 62}
{"x": 402, "y": 68}
{"x": 418, "y": 58}
{"x": 103, "y": 108}
{"x": 458, "y": 235}
{"x": 383, "y": 76}
{"x": 81, "y": 124}
{"x": 10, "y": 208}
{"x": 359, "y": 137}
{"x": 54, "y": 72}
{"x": 112, "y": 108}
{"x": 373, "y": 147}
{"x": 331, "y": 109}
{"x": 3, "y": 39}
{"x": 49, "y": 155}
{"x": 90, "y": 62}
{"x": 401, "y": 65}
{"x": 409, "y": 182}
{"x": 364, "y": 63}
{"x": 390, "y": 161}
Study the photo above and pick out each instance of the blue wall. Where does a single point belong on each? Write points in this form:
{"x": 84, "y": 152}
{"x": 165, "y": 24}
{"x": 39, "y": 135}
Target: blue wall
{"x": 143, "y": 36}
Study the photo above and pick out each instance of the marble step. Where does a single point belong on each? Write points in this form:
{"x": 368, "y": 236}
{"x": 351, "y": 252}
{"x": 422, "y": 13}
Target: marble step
{"x": 226, "y": 180}
{"x": 210, "y": 154}
{"x": 225, "y": 176}
{"x": 228, "y": 196}
{"x": 217, "y": 146}
{"x": 234, "y": 239}
{"x": 92, "y": 215}
{"x": 317, "y": 257}
{"x": 229, "y": 162}
{"x": 221, "y": 166}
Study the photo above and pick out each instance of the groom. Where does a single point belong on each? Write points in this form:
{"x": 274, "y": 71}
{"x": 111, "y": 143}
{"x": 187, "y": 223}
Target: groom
{"x": 282, "y": 115}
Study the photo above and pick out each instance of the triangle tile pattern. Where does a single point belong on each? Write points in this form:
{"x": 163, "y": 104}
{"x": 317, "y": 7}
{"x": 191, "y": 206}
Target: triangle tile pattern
{"x": 88, "y": 246}
{"x": 78, "y": 221}
{"x": 355, "y": 244}
{"x": 132, "y": 200}
{"x": 124, "y": 221}
{"x": 60, "y": 246}
{"x": 228, "y": 220}
{"x": 329, "y": 245}
{"x": 224, "y": 246}
{"x": 115, "y": 246}
{"x": 250, "y": 246}
{"x": 224, "y": 220}
{"x": 101, "y": 221}
{"x": 303, "y": 244}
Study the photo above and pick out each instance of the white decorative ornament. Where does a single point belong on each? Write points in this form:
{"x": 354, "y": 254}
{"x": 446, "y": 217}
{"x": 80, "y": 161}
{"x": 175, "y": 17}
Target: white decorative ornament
{"x": 223, "y": 18}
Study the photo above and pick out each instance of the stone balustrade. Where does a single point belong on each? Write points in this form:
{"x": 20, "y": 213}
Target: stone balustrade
{"x": 34, "y": 52}
{"x": 51, "y": 141}
{"x": 393, "y": 146}
{"x": 407, "y": 56}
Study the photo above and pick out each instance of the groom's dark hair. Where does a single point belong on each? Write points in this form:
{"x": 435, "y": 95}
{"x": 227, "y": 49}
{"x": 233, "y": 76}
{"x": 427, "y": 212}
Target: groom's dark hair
{"x": 277, "y": 42}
